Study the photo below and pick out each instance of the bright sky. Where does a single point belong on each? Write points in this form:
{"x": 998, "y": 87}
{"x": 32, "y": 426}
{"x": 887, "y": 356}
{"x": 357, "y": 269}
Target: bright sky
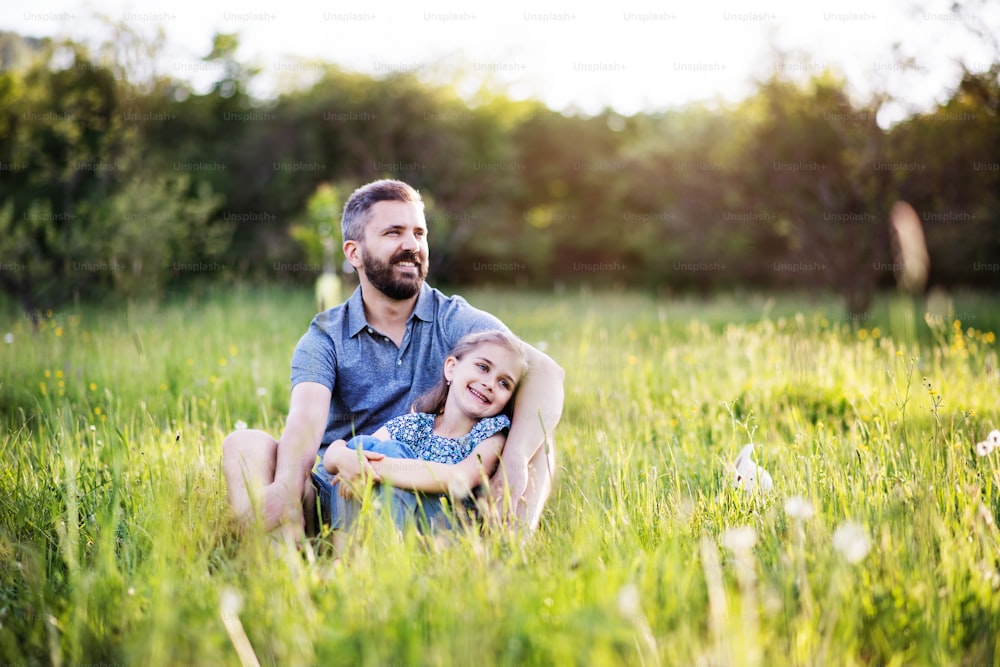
{"x": 631, "y": 55}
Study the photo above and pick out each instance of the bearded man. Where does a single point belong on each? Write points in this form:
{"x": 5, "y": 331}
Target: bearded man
{"x": 366, "y": 361}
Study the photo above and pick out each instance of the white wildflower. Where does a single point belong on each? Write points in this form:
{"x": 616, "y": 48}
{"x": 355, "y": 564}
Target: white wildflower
{"x": 985, "y": 514}
{"x": 262, "y": 391}
{"x": 799, "y": 508}
{"x": 991, "y": 442}
{"x": 851, "y": 540}
{"x": 240, "y": 425}
{"x": 459, "y": 488}
{"x": 739, "y": 540}
{"x": 8, "y": 338}
{"x": 230, "y": 603}
{"x": 628, "y": 601}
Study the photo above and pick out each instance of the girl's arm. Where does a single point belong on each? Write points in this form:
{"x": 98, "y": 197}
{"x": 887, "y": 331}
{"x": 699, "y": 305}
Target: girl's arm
{"x": 431, "y": 477}
{"x": 349, "y": 464}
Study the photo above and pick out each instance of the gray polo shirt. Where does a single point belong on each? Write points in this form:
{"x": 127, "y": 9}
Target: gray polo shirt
{"x": 371, "y": 379}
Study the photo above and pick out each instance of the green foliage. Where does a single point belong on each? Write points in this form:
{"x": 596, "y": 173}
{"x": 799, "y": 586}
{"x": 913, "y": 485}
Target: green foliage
{"x": 116, "y": 545}
{"x": 154, "y": 229}
{"x": 83, "y": 214}
{"x": 320, "y": 234}
{"x": 790, "y": 187}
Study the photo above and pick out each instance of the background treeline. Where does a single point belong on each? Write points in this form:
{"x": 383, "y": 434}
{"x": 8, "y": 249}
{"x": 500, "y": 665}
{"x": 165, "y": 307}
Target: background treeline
{"x": 115, "y": 180}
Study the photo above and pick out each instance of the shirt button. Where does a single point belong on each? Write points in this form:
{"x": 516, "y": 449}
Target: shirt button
{"x": 399, "y": 362}
{"x": 370, "y": 330}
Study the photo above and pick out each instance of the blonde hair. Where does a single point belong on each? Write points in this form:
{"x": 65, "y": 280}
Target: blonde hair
{"x": 433, "y": 400}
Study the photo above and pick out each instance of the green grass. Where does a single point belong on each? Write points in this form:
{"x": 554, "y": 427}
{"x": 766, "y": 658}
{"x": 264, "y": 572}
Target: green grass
{"x": 116, "y": 545}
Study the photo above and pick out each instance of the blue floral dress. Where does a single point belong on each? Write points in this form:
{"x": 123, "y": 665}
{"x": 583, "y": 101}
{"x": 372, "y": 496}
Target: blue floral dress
{"x": 417, "y": 431}
{"x": 412, "y": 437}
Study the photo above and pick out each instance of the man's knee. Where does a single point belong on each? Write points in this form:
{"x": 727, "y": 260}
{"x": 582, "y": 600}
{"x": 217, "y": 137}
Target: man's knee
{"x": 249, "y": 454}
{"x": 247, "y": 442}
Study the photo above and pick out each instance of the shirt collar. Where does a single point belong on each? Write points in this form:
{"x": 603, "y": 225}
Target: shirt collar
{"x": 425, "y": 304}
{"x": 356, "y": 313}
{"x": 356, "y": 320}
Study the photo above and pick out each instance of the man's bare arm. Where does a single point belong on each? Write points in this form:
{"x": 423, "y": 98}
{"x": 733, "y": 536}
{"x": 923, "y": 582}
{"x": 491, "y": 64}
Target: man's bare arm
{"x": 308, "y": 413}
{"x": 537, "y": 409}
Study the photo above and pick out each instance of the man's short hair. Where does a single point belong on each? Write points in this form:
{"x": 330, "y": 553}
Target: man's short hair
{"x": 357, "y": 210}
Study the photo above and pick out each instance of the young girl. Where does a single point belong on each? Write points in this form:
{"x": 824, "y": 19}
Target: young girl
{"x": 449, "y": 444}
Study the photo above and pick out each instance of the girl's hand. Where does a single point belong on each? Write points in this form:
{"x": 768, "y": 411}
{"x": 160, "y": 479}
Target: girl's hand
{"x": 353, "y": 469}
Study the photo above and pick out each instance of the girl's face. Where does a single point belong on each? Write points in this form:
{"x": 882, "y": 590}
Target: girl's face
{"x": 483, "y": 381}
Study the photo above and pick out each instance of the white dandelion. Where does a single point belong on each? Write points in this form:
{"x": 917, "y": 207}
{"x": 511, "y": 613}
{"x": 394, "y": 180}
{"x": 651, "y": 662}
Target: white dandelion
{"x": 459, "y": 488}
{"x": 230, "y": 604}
{"x": 851, "y": 540}
{"x": 799, "y": 508}
{"x": 628, "y": 601}
{"x": 630, "y": 607}
{"x": 739, "y": 540}
{"x": 991, "y": 442}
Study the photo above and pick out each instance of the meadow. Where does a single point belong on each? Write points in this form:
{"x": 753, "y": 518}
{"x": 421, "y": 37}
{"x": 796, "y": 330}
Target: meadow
{"x": 877, "y": 546}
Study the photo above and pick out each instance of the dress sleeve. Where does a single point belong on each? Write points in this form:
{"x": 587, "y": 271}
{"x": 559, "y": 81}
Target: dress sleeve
{"x": 410, "y": 428}
{"x": 487, "y": 427}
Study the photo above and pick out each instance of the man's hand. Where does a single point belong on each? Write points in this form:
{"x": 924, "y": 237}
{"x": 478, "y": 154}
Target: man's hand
{"x": 280, "y": 515}
{"x": 516, "y": 479}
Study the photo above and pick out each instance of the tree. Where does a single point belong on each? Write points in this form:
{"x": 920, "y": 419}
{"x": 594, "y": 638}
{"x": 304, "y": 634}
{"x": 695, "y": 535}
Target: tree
{"x": 82, "y": 211}
{"x": 812, "y": 159}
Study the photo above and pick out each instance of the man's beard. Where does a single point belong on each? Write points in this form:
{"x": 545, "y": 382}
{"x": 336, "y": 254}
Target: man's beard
{"x": 383, "y": 277}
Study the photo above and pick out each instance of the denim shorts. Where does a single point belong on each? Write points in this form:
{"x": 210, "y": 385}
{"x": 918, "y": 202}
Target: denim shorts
{"x": 424, "y": 510}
